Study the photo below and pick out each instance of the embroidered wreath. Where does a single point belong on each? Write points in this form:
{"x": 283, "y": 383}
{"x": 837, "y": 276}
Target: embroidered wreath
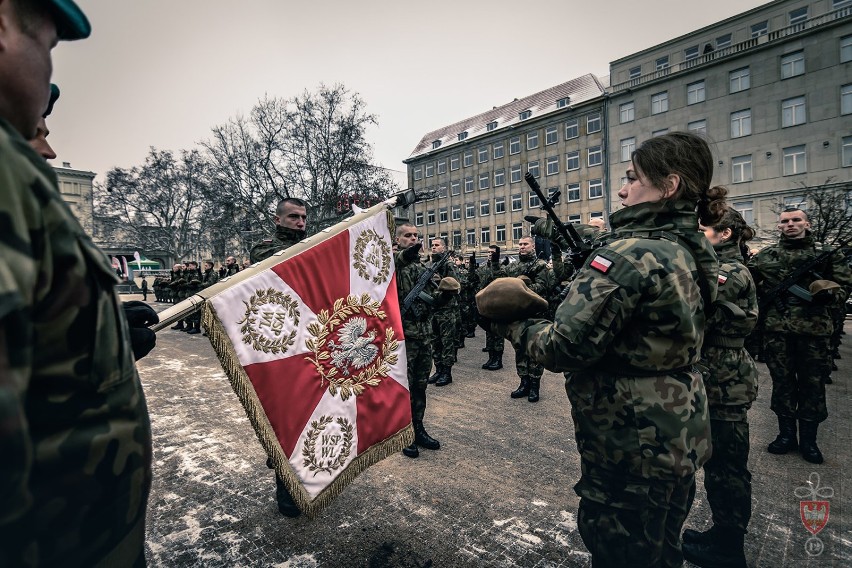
{"x": 253, "y": 320}
{"x": 309, "y": 451}
{"x": 378, "y": 257}
{"x": 326, "y": 323}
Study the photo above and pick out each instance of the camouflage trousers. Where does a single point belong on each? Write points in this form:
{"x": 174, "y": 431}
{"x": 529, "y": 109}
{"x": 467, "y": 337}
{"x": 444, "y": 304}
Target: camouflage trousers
{"x": 445, "y": 328}
{"x": 493, "y": 342}
{"x": 623, "y": 535}
{"x": 526, "y": 367}
{"x": 419, "y": 356}
{"x": 727, "y": 479}
{"x": 798, "y": 365}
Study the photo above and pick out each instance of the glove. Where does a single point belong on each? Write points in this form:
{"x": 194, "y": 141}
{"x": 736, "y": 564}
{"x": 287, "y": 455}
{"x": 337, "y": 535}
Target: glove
{"x": 142, "y": 341}
{"x": 412, "y": 253}
{"x": 542, "y": 226}
{"x": 495, "y": 256}
{"x": 505, "y": 261}
{"x": 139, "y": 316}
{"x": 472, "y": 262}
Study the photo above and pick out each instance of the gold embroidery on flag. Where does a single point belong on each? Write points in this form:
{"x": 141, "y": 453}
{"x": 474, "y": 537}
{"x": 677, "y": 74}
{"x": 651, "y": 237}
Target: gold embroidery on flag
{"x": 334, "y": 448}
{"x": 371, "y": 249}
{"x": 265, "y": 324}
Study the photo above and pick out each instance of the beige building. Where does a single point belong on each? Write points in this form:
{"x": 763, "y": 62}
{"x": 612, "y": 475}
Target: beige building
{"x": 76, "y": 189}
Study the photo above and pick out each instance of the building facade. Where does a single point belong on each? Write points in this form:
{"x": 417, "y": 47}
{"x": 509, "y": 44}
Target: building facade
{"x": 76, "y": 189}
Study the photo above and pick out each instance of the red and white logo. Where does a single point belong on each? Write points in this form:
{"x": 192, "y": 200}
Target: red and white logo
{"x": 600, "y": 263}
{"x": 814, "y": 515}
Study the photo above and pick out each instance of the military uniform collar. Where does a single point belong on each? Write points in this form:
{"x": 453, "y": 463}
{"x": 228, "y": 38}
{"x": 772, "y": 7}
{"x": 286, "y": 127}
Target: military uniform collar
{"x": 287, "y": 234}
{"x": 788, "y": 243}
{"x": 728, "y": 250}
{"x": 658, "y": 216}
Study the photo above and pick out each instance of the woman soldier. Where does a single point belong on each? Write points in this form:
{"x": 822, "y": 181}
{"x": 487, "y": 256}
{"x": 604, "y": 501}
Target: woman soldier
{"x": 731, "y": 383}
{"x": 629, "y": 333}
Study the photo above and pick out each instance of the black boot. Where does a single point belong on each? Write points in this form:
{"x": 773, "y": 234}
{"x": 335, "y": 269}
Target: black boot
{"x": 423, "y": 439}
{"x": 692, "y": 536}
{"x": 495, "y": 362}
{"x": 411, "y": 451}
{"x": 439, "y": 370}
{"x": 724, "y": 550}
{"x": 179, "y": 326}
{"x": 445, "y": 378}
{"x": 485, "y": 350}
{"x": 534, "y": 384}
{"x": 460, "y": 343}
{"x": 471, "y": 333}
{"x": 786, "y": 439}
{"x": 286, "y": 505}
{"x": 194, "y": 328}
{"x": 523, "y": 390}
{"x": 807, "y": 438}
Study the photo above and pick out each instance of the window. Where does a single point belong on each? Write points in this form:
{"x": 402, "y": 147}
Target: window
{"x": 455, "y": 187}
{"x": 468, "y": 184}
{"x": 455, "y": 212}
{"x": 500, "y": 233}
{"x": 430, "y": 217}
{"x": 515, "y": 174}
{"x": 746, "y": 209}
{"x": 469, "y": 210}
{"x": 552, "y": 165}
{"x": 659, "y": 132}
{"x": 572, "y": 127}
{"x": 468, "y": 158}
{"x": 484, "y": 208}
{"x": 846, "y": 99}
{"x": 698, "y": 127}
{"x": 442, "y": 215}
{"x": 795, "y": 160}
{"x": 634, "y": 72}
{"x": 418, "y": 173}
{"x": 793, "y": 112}
{"x": 484, "y": 181}
{"x": 739, "y": 80}
{"x": 695, "y": 93}
{"x": 517, "y": 204}
{"x": 442, "y": 166}
{"x": 759, "y": 29}
{"x": 499, "y": 177}
{"x": 846, "y": 49}
{"x": 499, "y": 205}
{"x": 418, "y": 218}
{"x": 741, "y": 169}
{"x": 798, "y": 16}
{"x": 792, "y": 64}
{"x": 491, "y": 126}
{"x": 593, "y": 123}
{"x": 436, "y": 144}
{"x": 430, "y": 170}
{"x": 574, "y": 219}
{"x": 628, "y": 145}
{"x": 662, "y": 63}
{"x": 454, "y": 162}
{"x": 462, "y": 135}
{"x": 595, "y": 156}
{"x": 835, "y": 4}
{"x": 524, "y": 114}
{"x": 595, "y": 188}
{"x": 485, "y": 235}
{"x": 515, "y": 145}
{"x": 456, "y": 238}
{"x": 442, "y": 190}
{"x": 563, "y": 102}
{"x": 572, "y": 160}
{"x": 626, "y": 112}
{"x": 532, "y": 167}
{"x": 595, "y": 215}
{"x": 723, "y": 41}
{"x": 798, "y": 202}
{"x": 572, "y": 192}
{"x": 690, "y": 53}
{"x": 660, "y": 102}
{"x": 533, "y": 200}
{"x": 470, "y": 236}
{"x": 846, "y": 153}
{"x": 482, "y": 154}
{"x": 532, "y": 140}
{"x": 517, "y": 231}
{"x": 551, "y": 135}
{"x": 741, "y": 123}
{"x": 498, "y": 150}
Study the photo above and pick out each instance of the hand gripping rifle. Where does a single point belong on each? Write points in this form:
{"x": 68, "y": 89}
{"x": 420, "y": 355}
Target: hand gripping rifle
{"x": 417, "y": 291}
{"x": 578, "y": 249}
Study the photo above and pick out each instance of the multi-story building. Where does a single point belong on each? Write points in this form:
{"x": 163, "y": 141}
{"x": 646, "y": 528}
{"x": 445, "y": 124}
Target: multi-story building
{"x": 76, "y": 189}
{"x": 474, "y": 169}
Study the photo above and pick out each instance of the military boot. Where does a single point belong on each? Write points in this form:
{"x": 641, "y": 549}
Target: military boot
{"x": 725, "y": 550}
{"x": 692, "y": 536}
{"x": 523, "y": 390}
{"x": 286, "y": 505}
{"x": 786, "y": 439}
{"x": 194, "y": 328}
{"x": 446, "y": 378}
{"x": 471, "y": 333}
{"x": 807, "y": 441}
{"x": 423, "y": 439}
{"x": 534, "y": 384}
{"x": 485, "y": 350}
{"x": 495, "y": 362}
{"x": 411, "y": 451}
{"x": 179, "y": 326}
{"x": 439, "y": 370}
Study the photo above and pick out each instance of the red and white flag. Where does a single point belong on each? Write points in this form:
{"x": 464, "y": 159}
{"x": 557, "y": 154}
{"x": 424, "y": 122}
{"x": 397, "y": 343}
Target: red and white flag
{"x": 314, "y": 348}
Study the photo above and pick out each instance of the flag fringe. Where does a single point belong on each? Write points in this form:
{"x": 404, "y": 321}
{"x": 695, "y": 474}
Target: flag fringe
{"x": 266, "y": 435}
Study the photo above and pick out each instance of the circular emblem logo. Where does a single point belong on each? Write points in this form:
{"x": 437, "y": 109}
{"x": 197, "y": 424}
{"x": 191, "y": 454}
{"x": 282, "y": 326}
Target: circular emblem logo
{"x": 372, "y": 257}
{"x": 269, "y": 315}
{"x": 327, "y": 444}
{"x": 348, "y": 351}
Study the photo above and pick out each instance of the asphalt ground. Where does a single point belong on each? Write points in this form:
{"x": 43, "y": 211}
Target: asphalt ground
{"x": 498, "y": 492}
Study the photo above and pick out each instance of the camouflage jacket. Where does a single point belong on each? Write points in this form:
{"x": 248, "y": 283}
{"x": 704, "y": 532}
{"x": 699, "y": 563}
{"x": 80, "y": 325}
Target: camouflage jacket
{"x": 283, "y": 238}
{"x": 75, "y": 437}
{"x": 731, "y": 378}
{"x": 771, "y": 265}
{"x": 535, "y": 269}
{"x": 209, "y": 277}
{"x": 631, "y": 328}
{"x": 407, "y": 275}
{"x": 485, "y": 274}
{"x": 452, "y": 304}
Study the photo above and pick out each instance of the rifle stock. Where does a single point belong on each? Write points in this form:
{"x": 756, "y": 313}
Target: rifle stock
{"x": 421, "y": 283}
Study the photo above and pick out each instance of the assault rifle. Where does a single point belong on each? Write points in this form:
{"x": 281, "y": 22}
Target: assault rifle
{"x": 417, "y": 291}
{"x": 578, "y": 249}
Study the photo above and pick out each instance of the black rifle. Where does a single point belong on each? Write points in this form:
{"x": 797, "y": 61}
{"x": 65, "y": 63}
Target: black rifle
{"x": 578, "y": 249}
{"x": 425, "y": 278}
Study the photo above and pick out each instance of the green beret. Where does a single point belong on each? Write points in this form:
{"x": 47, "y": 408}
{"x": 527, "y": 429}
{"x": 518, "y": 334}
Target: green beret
{"x": 54, "y": 94}
{"x": 509, "y": 299}
{"x": 449, "y": 284}
{"x": 71, "y": 22}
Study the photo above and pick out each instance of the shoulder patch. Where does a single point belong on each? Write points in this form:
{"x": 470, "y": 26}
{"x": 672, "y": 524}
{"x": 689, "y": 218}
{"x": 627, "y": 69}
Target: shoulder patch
{"x": 601, "y": 264}
{"x": 723, "y": 277}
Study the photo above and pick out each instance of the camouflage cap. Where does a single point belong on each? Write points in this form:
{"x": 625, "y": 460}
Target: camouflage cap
{"x": 71, "y": 22}
{"x": 818, "y": 286}
{"x": 449, "y": 284}
{"x": 509, "y": 299}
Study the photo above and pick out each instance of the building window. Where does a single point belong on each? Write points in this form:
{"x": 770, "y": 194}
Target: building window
{"x": 634, "y": 72}
{"x": 792, "y": 64}
{"x": 759, "y": 29}
{"x": 436, "y": 144}
{"x": 430, "y": 170}
{"x": 470, "y": 235}
{"x": 454, "y": 162}
{"x": 846, "y": 99}
{"x": 524, "y": 114}
{"x": 835, "y": 4}
{"x": 595, "y": 215}
{"x": 593, "y": 123}
{"x": 660, "y": 102}
{"x": 846, "y": 152}
{"x": 468, "y": 184}
{"x": 662, "y": 63}
{"x": 517, "y": 204}
{"x": 723, "y": 41}
{"x": 442, "y": 190}
{"x": 532, "y": 168}
{"x": 456, "y": 238}
{"x": 455, "y": 187}
{"x": 574, "y": 219}
{"x": 515, "y": 174}
{"x": 628, "y": 145}
{"x": 698, "y": 127}
{"x": 515, "y": 145}
{"x": 485, "y": 235}
{"x": 482, "y": 154}
{"x": 532, "y": 140}
{"x": 499, "y": 205}
{"x": 533, "y": 200}
{"x": 660, "y": 132}
{"x": 469, "y": 210}
{"x": 795, "y": 160}
{"x": 563, "y": 102}
{"x": 572, "y": 128}
{"x": 442, "y": 166}
{"x": 517, "y": 231}
{"x": 551, "y": 135}
{"x": 430, "y": 217}
{"x": 595, "y": 188}
{"x": 500, "y": 233}
{"x": 595, "y": 156}
{"x": 690, "y": 53}
{"x": 455, "y": 212}
{"x": 846, "y": 49}
{"x": 793, "y": 112}
{"x": 442, "y": 215}
{"x": 468, "y": 158}
{"x": 484, "y": 181}
{"x": 572, "y": 192}
{"x": 695, "y": 93}
{"x": 798, "y": 16}
{"x": 484, "y": 208}
{"x": 552, "y": 165}
{"x": 491, "y": 126}
{"x": 741, "y": 169}
{"x": 626, "y": 112}
{"x": 498, "y": 150}
{"x": 739, "y": 80}
{"x": 499, "y": 177}
{"x": 741, "y": 123}
{"x": 418, "y": 173}
{"x": 798, "y": 202}
{"x": 572, "y": 160}
{"x": 746, "y": 209}
{"x": 462, "y": 135}
{"x": 418, "y": 218}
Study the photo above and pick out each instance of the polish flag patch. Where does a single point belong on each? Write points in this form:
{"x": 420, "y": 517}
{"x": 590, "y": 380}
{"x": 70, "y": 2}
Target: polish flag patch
{"x": 601, "y": 264}
{"x": 722, "y": 278}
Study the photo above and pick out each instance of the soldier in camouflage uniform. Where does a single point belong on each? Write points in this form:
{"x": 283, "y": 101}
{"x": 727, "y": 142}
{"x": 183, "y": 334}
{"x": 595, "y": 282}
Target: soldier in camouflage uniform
{"x": 177, "y": 285}
{"x": 290, "y": 217}
{"x": 416, "y": 324}
{"x": 75, "y": 437}
{"x": 730, "y": 379}
{"x": 445, "y": 321}
{"x": 535, "y": 273}
{"x": 629, "y": 335}
{"x": 493, "y": 342}
{"x": 231, "y": 267}
{"x": 797, "y": 332}
{"x": 193, "y": 285}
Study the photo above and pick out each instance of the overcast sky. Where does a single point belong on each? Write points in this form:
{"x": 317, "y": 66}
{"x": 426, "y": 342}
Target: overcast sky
{"x": 163, "y": 72}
